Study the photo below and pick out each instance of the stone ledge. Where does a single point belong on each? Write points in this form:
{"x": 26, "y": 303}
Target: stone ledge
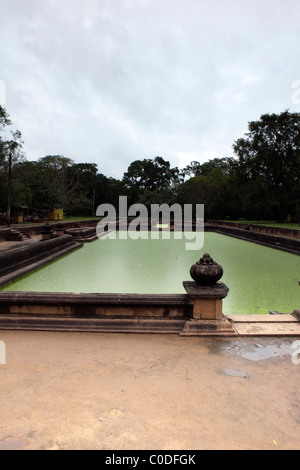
{"x": 96, "y": 298}
{"x": 261, "y": 318}
{"x": 290, "y": 245}
{"x": 267, "y": 329}
{"x": 296, "y": 314}
{"x": 217, "y": 291}
{"x": 266, "y": 325}
{"x": 152, "y": 325}
{"x": 221, "y": 327}
{"x": 25, "y": 266}
{"x": 99, "y": 325}
{"x": 20, "y": 257}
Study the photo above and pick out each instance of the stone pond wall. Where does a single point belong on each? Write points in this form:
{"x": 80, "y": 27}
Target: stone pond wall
{"x": 16, "y": 261}
{"x": 280, "y": 242}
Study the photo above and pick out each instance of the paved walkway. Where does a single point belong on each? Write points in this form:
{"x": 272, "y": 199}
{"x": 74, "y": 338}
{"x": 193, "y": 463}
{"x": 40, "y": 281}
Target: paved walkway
{"x": 267, "y": 325}
{"x": 154, "y": 392}
{"x": 8, "y": 245}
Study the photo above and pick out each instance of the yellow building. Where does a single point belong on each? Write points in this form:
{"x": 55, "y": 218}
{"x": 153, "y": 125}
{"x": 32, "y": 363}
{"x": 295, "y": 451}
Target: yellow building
{"x": 56, "y": 214}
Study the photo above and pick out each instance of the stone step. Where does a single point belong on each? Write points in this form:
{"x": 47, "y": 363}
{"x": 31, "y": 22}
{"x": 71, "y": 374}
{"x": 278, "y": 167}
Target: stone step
{"x": 16, "y": 235}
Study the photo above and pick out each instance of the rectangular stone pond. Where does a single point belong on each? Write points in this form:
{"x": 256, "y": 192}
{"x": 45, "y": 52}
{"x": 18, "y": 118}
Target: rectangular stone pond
{"x": 259, "y": 278}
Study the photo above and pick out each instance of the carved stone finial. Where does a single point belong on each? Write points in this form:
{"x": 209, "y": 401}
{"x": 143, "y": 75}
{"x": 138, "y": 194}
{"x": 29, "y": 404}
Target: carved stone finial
{"x": 206, "y": 270}
{"x": 47, "y": 228}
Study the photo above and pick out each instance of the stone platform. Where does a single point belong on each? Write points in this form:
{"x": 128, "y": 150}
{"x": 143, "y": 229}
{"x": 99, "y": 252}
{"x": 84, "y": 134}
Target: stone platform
{"x": 266, "y": 325}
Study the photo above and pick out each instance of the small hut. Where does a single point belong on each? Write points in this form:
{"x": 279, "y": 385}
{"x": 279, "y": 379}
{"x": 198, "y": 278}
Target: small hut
{"x": 56, "y": 214}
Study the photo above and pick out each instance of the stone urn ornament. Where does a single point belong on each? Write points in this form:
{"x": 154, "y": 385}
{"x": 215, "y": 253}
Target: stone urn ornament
{"x": 206, "y": 271}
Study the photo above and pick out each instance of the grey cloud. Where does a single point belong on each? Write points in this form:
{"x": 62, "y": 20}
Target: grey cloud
{"x": 111, "y": 82}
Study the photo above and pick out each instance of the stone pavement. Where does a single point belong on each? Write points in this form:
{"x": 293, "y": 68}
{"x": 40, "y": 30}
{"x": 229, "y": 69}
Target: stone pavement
{"x": 266, "y": 325}
{"x": 153, "y": 392}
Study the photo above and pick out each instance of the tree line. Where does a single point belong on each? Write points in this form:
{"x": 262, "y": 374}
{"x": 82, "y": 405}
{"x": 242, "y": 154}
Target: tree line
{"x": 260, "y": 181}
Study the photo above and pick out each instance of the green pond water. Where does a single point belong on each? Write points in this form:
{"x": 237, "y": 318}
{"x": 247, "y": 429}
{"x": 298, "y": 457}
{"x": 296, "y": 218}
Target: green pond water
{"x": 259, "y": 278}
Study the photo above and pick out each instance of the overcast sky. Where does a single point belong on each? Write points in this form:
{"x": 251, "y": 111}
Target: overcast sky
{"x": 113, "y": 81}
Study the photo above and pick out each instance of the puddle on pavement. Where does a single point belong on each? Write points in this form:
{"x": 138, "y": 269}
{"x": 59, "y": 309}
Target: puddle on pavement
{"x": 235, "y": 373}
{"x": 11, "y": 443}
{"x": 269, "y": 351}
{"x": 253, "y": 350}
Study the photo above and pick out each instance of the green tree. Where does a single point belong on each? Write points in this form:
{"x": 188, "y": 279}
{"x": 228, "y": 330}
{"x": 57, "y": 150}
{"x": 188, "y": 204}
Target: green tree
{"x": 268, "y": 167}
{"x": 10, "y": 153}
{"x": 213, "y": 190}
{"x": 56, "y": 181}
{"x": 147, "y": 176}
{"x": 213, "y": 185}
{"x": 91, "y": 189}
{"x": 197, "y": 168}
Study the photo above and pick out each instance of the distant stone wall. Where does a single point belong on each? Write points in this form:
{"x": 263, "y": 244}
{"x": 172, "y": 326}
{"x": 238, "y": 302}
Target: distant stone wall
{"x": 280, "y": 231}
{"x": 16, "y": 261}
{"x": 82, "y": 233}
{"x": 284, "y": 243}
{"x": 36, "y": 229}
{"x": 4, "y": 234}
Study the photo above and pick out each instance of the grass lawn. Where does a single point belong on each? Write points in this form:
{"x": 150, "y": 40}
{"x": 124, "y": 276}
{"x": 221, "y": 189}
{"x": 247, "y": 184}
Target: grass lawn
{"x": 268, "y": 223}
{"x": 78, "y": 219}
